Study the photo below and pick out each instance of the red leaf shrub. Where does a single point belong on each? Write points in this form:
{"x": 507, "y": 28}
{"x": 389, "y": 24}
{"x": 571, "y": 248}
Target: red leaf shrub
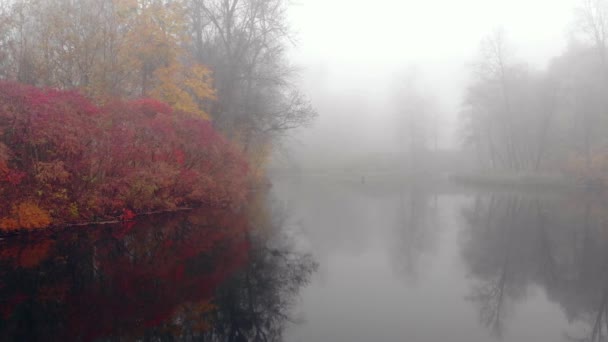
{"x": 82, "y": 162}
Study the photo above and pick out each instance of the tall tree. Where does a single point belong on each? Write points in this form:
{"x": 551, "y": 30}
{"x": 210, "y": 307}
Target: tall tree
{"x": 244, "y": 41}
{"x": 106, "y": 48}
{"x": 417, "y": 122}
{"x": 508, "y": 109}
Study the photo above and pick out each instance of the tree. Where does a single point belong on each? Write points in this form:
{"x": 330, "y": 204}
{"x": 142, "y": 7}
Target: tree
{"x": 417, "y": 122}
{"x": 107, "y": 49}
{"x": 184, "y": 88}
{"x": 175, "y": 51}
{"x": 592, "y": 20}
{"x": 244, "y": 41}
{"x": 509, "y": 110}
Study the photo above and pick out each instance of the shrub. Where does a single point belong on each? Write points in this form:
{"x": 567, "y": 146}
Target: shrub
{"x": 80, "y": 162}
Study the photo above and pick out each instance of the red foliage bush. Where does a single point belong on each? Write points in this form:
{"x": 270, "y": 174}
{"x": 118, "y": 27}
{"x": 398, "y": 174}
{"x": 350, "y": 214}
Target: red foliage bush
{"x": 80, "y": 162}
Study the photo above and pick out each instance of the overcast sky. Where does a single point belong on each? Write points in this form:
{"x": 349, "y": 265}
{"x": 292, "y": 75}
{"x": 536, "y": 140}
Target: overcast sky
{"x": 351, "y": 52}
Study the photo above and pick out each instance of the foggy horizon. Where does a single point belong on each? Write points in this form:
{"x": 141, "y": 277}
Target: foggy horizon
{"x": 350, "y": 56}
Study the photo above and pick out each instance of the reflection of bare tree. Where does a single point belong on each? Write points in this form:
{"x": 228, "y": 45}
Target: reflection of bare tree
{"x": 587, "y": 277}
{"x": 417, "y": 222}
{"x": 255, "y": 304}
{"x": 508, "y": 245}
{"x": 597, "y": 320}
{"x": 597, "y": 333}
{"x": 559, "y": 244}
{"x": 548, "y": 265}
{"x": 598, "y": 324}
{"x": 490, "y": 294}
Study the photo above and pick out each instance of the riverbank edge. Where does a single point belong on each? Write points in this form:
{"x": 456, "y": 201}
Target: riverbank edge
{"x": 528, "y": 181}
{"x": 54, "y": 228}
{"x": 263, "y": 186}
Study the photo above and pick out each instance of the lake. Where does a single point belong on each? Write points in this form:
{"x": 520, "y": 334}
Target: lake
{"x": 321, "y": 260}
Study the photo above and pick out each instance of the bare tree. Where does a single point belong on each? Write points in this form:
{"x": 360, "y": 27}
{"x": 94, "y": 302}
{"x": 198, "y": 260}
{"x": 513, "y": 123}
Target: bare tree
{"x": 592, "y": 20}
{"x": 417, "y": 114}
{"x": 509, "y": 110}
{"x": 245, "y": 42}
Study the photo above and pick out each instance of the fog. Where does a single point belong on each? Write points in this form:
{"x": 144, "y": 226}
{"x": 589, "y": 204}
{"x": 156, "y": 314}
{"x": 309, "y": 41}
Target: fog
{"x": 352, "y": 55}
{"x": 304, "y": 170}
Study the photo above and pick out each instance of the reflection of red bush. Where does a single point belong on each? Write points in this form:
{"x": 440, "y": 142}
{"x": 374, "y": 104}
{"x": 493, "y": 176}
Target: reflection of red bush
{"x": 141, "y": 279}
{"x": 78, "y": 161}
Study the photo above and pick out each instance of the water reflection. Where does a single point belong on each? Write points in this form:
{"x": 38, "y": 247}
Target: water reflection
{"x": 512, "y": 243}
{"x": 204, "y": 275}
{"x": 416, "y": 233}
{"x": 255, "y": 304}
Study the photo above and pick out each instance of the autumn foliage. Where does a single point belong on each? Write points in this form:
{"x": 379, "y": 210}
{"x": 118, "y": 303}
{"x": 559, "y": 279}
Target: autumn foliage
{"x": 64, "y": 159}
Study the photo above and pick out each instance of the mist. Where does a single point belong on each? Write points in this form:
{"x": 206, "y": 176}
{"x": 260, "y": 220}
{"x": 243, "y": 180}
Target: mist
{"x": 352, "y": 56}
{"x": 304, "y": 170}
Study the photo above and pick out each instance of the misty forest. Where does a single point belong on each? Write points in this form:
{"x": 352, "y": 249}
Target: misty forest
{"x": 312, "y": 170}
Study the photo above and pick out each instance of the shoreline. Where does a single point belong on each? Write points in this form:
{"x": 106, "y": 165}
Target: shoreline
{"x": 58, "y": 228}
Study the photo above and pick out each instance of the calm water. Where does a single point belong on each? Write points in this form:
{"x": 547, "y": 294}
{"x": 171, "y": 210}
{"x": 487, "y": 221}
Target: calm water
{"x": 409, "y": 264}
{"x": 318, "y": 261}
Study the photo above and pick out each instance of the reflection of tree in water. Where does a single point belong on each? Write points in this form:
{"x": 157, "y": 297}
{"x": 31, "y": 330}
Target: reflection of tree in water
{"x": 491, "y": 254}
{"x": 582, "y": 288}
{"x": 417, "y": 223}
{"x": 204, "y": 275}
{"x": 560, "y": 245}
{"x": 599, "y": 325}
{"x": 125, "y": 280}
{"x": 255, "y": 304}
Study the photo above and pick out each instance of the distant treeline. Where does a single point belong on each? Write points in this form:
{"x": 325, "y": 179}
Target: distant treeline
{"x": 519, "y": 119}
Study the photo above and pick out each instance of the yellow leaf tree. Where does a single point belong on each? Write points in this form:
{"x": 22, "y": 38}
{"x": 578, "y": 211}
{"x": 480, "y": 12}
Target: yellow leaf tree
{"x": 184, "y": 88}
